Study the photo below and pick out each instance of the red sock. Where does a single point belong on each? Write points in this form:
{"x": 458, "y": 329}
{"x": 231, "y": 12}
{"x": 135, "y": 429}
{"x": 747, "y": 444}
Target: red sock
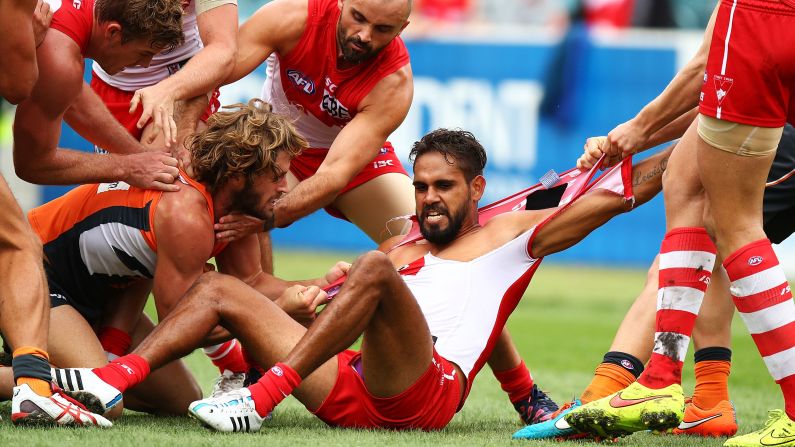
{"x": 115, "y": 342}
{"x": 124, "y": 372}
{"x": 763, "y": 298}
{"x": 227, "y": 357}
{"x": 517, "y": 382}
{"x": 687, "y": 256}
{"x": 278, "y": 383}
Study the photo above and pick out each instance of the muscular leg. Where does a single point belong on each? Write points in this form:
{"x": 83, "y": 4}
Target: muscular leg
{"x": 168, "y": 390}
{"x": 505, "y": 355}
{"x": 73, "y": 343}
{"x": 713, "y": 326}
{"x": 397, "y": 347}
{"x": 24, "y": 304}
{"x": 394, "y": 195}
{"x": 735, "y": 186}
{"x": 266, "y": 331}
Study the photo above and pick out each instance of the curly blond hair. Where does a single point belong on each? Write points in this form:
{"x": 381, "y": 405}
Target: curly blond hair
{"x": 242, "y": 139}
{"x": 159, "y": 21}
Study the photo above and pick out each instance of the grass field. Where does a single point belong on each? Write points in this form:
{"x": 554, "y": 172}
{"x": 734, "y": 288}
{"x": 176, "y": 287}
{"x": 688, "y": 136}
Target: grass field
{"x": 562, "y": 327}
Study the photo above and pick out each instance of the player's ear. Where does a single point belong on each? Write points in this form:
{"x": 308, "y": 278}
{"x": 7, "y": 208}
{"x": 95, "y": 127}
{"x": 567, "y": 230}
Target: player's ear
{"x": 112, "y": 32}
{"x": 478, "y": 186}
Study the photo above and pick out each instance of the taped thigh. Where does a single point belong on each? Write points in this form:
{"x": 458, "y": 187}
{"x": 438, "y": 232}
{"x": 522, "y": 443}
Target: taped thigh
{"x": 741, "y": 139}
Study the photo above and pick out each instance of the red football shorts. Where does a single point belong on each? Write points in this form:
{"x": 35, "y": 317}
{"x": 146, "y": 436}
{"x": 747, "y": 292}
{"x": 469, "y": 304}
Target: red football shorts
{"x": 118, "y": 102}
{"x": 750, "y": 76}
{"x": 306, "y": 164}
{"x": 429, "y": 404}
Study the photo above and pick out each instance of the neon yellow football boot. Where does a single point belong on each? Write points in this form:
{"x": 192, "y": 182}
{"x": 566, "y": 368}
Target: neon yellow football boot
{"x": 635, "y": 408}
{"x": 779, "y": 431}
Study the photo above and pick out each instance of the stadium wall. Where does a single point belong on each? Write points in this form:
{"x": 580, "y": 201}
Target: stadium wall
{"x": 532, "y": 98}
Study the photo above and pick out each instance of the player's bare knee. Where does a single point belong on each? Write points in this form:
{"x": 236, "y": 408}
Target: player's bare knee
{"x": 208, "y": 288}
{"x": 373, "y": 266}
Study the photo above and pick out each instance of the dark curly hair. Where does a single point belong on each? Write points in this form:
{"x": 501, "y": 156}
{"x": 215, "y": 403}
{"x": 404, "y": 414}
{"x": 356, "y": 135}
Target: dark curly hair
{"x": 455, "y": 145}
{"x": 158, "y": 21}
{"x": 242, "y": 139}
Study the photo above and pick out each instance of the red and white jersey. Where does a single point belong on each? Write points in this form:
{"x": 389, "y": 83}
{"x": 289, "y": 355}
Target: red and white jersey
{"x": 75, "y": 18}
{"x": 163, "y": 64}
{"x": 306, "y": 84}
{"x": 466, "y": 303}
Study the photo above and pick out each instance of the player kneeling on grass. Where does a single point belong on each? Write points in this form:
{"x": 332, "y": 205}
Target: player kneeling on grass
{"x": 426, "y": 332}
{"x": 107, "y": 244}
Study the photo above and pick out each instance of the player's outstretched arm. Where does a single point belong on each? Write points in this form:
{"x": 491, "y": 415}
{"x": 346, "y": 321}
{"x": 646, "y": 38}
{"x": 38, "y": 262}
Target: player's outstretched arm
{"x": 299, "y": 299}
{"x": 598, "y": 206}
{"x": 90, "y": 118}
{"x": 679, "y": 97}
{"x": 205, "y": 71}
{"x": 37, "y": 128}
{"x": 276, "y": 26}
{"x": 382, "y": 111}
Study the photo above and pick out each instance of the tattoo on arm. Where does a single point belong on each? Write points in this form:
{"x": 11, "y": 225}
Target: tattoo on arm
{"x": 641, "y": 177}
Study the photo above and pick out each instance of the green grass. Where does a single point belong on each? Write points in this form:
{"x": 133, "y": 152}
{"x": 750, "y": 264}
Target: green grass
{"x": 562, "y": 327}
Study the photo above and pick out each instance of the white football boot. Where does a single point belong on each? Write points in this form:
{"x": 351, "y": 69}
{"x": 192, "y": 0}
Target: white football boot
{"x": 87, "y": 388}
{"x": 29, "y": 408}
{"x": 230, "y": 412}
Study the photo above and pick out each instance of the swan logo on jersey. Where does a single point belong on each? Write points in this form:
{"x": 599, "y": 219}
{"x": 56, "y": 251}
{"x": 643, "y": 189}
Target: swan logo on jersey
{"x": 331, "y": 104}
{"x": 722, "y": 86}
{"x": 301, "y": 81}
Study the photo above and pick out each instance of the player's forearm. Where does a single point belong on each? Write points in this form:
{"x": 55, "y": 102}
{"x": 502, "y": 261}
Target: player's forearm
{"x": 273, "y": 287}
{"x": 647, "y": 176}
{"x": 90, "y": 118}
{"x": 673, "y": 130}
{"x": 70, "y": 167}
{"x": 678, "y": 98}
{"x": 203, "y": 73}
{"x": 307, "y": 197}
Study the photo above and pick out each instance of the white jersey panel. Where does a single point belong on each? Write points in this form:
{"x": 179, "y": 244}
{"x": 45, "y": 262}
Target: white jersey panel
{"x": 461, "y": 300}
{"x": 163, "y": 64}
{"x": 98, "y": 245}
{"x": 316, "y": 132}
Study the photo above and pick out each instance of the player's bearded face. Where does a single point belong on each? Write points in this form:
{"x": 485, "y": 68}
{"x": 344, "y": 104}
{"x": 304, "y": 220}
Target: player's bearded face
{"x": 353, "y": 49}
{"x": 251, "y": 202}
{"x": 438, "y": 225}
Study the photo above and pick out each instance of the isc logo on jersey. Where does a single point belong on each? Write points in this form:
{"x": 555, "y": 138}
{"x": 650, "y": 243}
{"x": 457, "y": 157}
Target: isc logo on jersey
{"x": 301, "y": 81}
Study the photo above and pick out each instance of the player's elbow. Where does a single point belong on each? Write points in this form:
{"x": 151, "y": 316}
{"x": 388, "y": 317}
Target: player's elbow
{"x": 18, "y": 88}
{"x": 26, "y": 171}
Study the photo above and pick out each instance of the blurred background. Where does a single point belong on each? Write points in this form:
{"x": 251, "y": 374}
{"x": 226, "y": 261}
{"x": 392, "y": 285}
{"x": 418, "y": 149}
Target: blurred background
{"x": 532, "y": 79}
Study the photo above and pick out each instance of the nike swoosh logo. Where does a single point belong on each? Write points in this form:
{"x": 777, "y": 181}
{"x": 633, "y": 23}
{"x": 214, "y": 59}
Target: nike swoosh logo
{"x": 619, "y": 402}
{"x": 687, "y": 425}
{"x": 16, "y": 393}
{"x": 561, "y": 424}
{"x": 772, "y": 440}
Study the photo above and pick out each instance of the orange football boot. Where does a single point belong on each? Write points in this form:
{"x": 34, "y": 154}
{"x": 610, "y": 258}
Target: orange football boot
{"x": 720, "y": 420}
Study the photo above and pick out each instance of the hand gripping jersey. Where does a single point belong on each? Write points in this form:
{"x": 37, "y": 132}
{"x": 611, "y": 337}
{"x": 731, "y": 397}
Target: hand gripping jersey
{"x": 163, "y": 64}
{"x": 75, "y": 18}
{"x": 466, "y": 304}
{"x": 99, "y": 238}
{"x": 306, "y": 84}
